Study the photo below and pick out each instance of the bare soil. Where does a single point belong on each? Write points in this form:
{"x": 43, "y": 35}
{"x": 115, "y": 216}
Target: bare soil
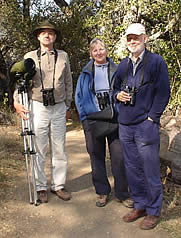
{"x": 78, "y": 217}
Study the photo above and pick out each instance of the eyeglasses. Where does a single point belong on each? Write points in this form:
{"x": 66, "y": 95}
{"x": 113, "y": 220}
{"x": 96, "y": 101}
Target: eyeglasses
{"x": 134, "y": 37}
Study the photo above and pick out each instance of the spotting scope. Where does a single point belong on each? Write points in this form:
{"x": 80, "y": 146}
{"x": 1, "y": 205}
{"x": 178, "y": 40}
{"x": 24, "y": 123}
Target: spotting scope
{"x": 23, "y": 70}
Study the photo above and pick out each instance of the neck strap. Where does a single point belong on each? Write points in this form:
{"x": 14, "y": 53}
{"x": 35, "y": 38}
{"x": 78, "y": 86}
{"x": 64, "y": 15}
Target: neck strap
{"x": 141, "y": 74}
{"x": 39, "y": 61}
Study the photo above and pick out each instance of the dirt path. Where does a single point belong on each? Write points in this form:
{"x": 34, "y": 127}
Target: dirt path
{"x": 76, "y": 218}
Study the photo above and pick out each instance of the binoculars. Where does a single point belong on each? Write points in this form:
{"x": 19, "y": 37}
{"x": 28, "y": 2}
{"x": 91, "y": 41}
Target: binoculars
{"x": 132, "y": 94}
{"x": 48, "y": 97}
{"x": 103, "y": 100}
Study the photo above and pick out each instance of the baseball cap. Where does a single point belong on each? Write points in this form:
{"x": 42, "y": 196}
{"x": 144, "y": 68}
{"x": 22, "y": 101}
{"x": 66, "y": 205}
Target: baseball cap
{"x": 136, "y": 29}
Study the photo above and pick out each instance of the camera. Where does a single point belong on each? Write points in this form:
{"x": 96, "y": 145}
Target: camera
{"x": 132, "y": 94}
{"x": 48, "y": 97}
{"x": 103, "y": 100}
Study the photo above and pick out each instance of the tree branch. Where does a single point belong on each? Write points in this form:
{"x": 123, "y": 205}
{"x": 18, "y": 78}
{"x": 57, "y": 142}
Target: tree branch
{"x": 61, "y": 3}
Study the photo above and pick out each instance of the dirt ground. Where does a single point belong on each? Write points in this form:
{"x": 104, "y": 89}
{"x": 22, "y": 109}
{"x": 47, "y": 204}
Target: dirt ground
{"x": 78, "y": 217}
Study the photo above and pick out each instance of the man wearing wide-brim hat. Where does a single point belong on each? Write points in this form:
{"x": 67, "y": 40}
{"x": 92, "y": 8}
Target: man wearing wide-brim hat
{"x": 51, "y": 96}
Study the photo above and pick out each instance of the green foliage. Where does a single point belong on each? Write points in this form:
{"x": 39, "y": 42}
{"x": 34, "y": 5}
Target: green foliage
{"x": 83, "y": 20}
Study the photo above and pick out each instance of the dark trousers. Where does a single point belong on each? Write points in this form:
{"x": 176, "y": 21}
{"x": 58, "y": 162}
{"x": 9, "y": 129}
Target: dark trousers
{"x": 97, "y": 152}
{"x": 141, "y": 144}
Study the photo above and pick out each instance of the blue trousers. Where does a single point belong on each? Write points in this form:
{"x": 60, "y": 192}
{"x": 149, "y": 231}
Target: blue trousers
{"x": 97, "y": 152}
{"x": 141, "y": 145}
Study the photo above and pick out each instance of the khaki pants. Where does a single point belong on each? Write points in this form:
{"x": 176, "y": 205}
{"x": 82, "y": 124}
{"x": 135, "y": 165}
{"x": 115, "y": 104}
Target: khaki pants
{"x": 49, "y": 126}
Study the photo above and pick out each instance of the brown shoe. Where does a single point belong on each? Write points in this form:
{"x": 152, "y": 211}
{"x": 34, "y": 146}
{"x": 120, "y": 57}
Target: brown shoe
{"x": 63, "y": 194}
{"x": 134, "y": 215}
{"x": 127, "y": 202}
{"x": 149, "y": 222}
{"x": 102, "y": 200}
{"x": 42, "y": 196}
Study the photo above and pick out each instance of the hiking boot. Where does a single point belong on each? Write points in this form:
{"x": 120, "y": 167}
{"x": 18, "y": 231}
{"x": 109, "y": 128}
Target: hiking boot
{"x": 42, "y": 196}
{"x": 134, "y": 215}
{"x": 102, "y": 200}
{"x": 63, "y": 194}
{"x": 149, "y": 222}
{"x": 127, "y": 202}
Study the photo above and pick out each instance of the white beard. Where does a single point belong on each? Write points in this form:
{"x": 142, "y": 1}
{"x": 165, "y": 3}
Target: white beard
{"x": 137, "y": 50}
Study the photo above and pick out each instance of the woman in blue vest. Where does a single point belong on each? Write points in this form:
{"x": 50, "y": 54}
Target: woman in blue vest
{"x": 92, "y": 93}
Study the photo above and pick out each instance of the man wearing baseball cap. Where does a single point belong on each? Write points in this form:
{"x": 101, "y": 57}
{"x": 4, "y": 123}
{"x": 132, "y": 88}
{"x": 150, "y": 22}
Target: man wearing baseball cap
{"x": 142, "y": 92}
{"x": 51, "y": 96}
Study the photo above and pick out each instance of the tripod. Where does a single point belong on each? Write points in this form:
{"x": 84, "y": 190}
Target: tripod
{"x": 29, "y": 145}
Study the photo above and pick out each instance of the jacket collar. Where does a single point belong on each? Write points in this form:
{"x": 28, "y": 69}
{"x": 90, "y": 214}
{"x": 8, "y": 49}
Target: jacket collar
{"x": 89, "y": 67}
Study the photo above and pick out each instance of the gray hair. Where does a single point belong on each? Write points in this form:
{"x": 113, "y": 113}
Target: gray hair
{"x": 94, "y": 42}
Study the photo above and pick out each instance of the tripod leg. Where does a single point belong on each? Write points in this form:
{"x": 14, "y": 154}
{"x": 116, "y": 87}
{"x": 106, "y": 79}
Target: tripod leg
{"x": 32, "y": 150}
{"x": 33, "y": 162}
{"x": 26, "y": 160}
{"x": 23, "y": 98}
{"x": 28, "y": 141}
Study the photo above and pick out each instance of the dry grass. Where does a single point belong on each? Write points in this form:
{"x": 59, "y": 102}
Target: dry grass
{"x": 11, "y": 157}
{"x": 171, "y": 210}
{"x": 171, "y": 218}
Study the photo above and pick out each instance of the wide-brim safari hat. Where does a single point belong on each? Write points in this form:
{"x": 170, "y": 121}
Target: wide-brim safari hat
{"x": 45, "y": 25}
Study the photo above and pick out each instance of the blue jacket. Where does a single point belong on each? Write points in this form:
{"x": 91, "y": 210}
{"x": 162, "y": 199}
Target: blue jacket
{"x": 85, "y": 98}
{"x": 152, "y": 96}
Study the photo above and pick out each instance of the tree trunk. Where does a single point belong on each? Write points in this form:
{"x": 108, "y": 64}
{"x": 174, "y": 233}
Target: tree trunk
{"x": 26, "y": 10}
{"x": 61, "y": 3}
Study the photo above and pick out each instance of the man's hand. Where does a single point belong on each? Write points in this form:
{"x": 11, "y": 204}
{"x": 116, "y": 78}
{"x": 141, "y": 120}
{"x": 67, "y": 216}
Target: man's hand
{"x": 123, "y": 96}
{"x": 21, "y": 110}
